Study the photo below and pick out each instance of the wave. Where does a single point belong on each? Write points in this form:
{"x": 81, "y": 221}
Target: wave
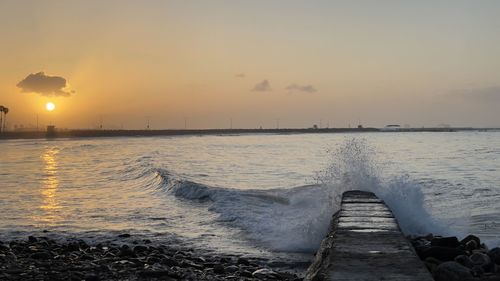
{"x": 286, "y": 220}
{"x": 297, "y": 219}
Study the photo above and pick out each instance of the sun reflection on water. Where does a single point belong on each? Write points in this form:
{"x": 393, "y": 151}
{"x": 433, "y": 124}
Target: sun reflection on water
{"x": 50, "y": 208}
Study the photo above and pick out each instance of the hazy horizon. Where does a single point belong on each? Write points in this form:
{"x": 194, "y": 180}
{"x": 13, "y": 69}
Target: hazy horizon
{"x": 419, "y": 63}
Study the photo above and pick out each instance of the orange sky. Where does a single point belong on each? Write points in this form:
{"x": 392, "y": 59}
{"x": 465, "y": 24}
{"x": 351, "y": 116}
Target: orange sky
{"x": 379, "y": 62}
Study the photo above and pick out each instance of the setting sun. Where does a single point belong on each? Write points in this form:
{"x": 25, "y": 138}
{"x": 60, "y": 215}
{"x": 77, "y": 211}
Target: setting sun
{"x": 50, "y": 106}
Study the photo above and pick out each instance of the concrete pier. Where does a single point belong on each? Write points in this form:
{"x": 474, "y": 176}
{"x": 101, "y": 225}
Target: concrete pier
{"x": 365, "y": 243}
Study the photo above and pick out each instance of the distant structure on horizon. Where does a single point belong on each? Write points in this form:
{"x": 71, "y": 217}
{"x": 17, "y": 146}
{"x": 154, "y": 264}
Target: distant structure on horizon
{"x": 3, "y": 117}
{"x": 391, "y": 128}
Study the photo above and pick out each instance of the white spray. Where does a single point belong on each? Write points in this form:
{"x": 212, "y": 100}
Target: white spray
{"x": 353, "y": 166}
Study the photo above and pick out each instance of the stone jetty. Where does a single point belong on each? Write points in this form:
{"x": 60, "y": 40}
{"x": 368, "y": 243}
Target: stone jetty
{"x": 365, "y": 243}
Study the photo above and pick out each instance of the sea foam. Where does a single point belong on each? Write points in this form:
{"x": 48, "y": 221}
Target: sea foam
{"x": 297, "y": 219}
{"x": 354, "y": 165}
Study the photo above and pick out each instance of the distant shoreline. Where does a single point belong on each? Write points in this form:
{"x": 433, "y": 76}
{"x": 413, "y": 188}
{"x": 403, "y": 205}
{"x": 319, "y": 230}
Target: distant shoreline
{"x": 181, "y": 132}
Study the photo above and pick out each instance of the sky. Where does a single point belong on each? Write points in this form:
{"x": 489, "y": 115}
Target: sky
{"x": 207, "y": 64}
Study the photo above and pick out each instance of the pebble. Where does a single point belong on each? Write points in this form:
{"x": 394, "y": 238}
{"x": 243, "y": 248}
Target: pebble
{"x": 452, "y": 271}
{"x": 38, "y": 258}
{"x": 449, "y": 242}
{"x": 441, "y": 253}
{"x": 41, "y": 256}
{"x": 471, "y": 238}
{"x": 140, "y": 249}
{"x": 243, "y": 261}
{"x": 265, "y": 273}
{"x": 232, "y": 268}
{"x": 32, "y": 239}
{"x": 92, "y": 277}
{"x": 169, "y": 261}
{"x": 465, "y": 261}
{"x": 219, "y": 269}
{"x": 480, "y": 259}
{"x": 494, "y": 254}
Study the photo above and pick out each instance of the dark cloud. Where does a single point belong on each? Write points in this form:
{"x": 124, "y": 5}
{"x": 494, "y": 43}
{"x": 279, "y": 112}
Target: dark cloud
{"x": 488, "y": 94}
{"x": 301, "y": 88}
{"x": 240, "y": 75}
{"x": 45, "y": 85}
{"x": 263, "y": 86}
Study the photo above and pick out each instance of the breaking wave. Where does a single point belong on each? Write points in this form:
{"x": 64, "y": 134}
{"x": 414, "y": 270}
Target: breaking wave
{"x": 288, "y": 220}
{"x": 297, "y": 219}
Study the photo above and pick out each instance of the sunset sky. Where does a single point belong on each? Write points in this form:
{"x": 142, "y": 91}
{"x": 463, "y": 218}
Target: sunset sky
{"x": 421, "y": 63}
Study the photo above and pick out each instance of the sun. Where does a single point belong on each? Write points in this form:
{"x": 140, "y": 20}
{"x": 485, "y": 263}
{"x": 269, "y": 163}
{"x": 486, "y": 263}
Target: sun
{"x": 50, "y": 106}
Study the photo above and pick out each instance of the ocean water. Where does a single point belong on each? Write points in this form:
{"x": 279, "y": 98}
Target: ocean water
{"x": 270, "y": 196}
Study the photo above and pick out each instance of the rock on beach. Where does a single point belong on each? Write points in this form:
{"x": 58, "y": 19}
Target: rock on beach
{"x": 40, "y": 258}
{"x": 450, "y": 259}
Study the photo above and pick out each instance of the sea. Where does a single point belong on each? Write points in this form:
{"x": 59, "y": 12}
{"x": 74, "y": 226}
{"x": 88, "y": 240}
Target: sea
{"x": 256, "y": 195}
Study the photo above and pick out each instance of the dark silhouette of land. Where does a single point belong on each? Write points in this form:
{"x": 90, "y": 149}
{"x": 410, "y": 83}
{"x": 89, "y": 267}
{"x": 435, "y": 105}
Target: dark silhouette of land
{"x": 177, "y": 132}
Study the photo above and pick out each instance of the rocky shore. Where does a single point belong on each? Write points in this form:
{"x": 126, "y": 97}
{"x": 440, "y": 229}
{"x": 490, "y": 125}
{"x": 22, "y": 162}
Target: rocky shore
{"x": 41, "y": 258}
{"x": 451, "y": 259}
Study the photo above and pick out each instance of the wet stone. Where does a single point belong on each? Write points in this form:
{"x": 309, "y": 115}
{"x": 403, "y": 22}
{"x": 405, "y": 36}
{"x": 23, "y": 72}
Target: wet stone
{"x": 140, "y": 249}
{"x": 169, "y": 261}
{"x": 246, "y": 273}
{"x": 48, "y": 260}
{"x": 465, "y": 261}
{"x": 190, "y": 264}
{"x": 219, "y": 269}
{"x": 198, "y": 259}
{"x": 41, "y": 256}
{"x": 154, "y": 273}
{"x": 471, "y": 245}
{"x": 92, "y": 277}
{"x": 476, "y": 258}
{"x": 32, "y": 239}
{"x": 480, "y": 259}
{"x": 471, "y": 238}
{"x": 494, "y": 255}
{"x": 441, "y": 253}
{"x": 450, "y": 242}
{"x": 265, "y": 273}
{"x": 243, "y": 261}
{"x": 73, "y": 246}
{"x": 232, "y": 268}
{"x": 452, "y": 271}
{"x": 125, "y": 251}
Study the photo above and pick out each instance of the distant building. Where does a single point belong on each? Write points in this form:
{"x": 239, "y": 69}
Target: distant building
{"x": 51, "y": 131}
{"x": 22, "y": 128}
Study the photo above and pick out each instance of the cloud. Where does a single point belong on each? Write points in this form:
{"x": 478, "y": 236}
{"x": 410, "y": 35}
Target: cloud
{"x": 263, "y": 86}
{"x": 240, "y": 75}
{"x": 45, "y": 85}
{"x": 487, "y": 94}
{"x": 301, "y": 88}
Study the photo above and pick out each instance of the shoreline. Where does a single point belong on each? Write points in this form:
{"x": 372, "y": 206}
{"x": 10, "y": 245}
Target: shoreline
{"x": 190, "y": 132}
{"x": 128, "y": 258}
{"x": 42, "y": 258}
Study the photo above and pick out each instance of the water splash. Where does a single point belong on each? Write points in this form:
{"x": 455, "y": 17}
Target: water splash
{"x": 296, "y": 219}
{"x": 284, "y": 220}
{"x": 354, "y": 166}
